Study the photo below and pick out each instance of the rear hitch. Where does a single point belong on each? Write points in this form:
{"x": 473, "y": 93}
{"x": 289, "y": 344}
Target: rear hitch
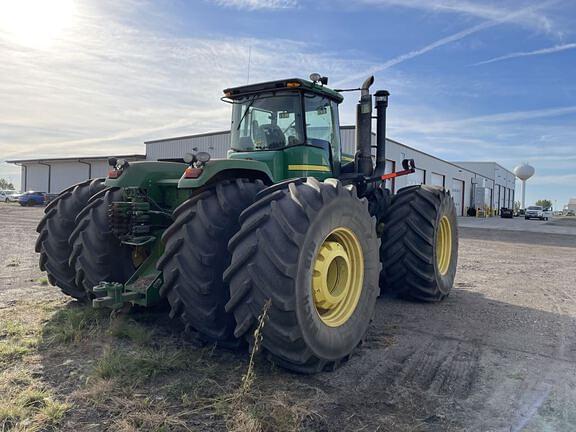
{"x": 114, "y": 295}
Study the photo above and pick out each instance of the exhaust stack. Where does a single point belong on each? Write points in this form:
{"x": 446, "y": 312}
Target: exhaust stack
{"x": 381, "y": 98}
{"x": 364, "y": 130}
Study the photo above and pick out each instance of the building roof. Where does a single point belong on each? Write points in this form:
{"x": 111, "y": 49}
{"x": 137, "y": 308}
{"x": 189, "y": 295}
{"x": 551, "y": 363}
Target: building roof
{"x": 485, "y": 162}
{"x": 455, "y": 164}
{"x": 224, "y": 132}
{"x": 75, "y": 158}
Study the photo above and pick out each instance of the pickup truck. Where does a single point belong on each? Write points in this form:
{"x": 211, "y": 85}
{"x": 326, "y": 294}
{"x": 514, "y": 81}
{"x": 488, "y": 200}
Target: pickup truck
{"x": 537, "y": 212}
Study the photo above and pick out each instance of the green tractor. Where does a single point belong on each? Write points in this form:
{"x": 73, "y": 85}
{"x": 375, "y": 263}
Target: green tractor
{"x": 286, "y": 224}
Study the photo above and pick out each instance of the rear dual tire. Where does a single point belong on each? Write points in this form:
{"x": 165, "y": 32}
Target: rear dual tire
{"x": 419, "y": 249}
{"x": 54, "y": 231}
{"x": 97, "y": 254}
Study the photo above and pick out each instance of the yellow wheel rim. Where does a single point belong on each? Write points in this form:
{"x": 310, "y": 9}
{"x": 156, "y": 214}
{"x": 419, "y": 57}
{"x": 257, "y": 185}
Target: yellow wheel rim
{"x": 444, "y": 245}
{"x": 338, "y": 277}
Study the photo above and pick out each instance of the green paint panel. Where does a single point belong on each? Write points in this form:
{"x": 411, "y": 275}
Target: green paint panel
{"x": 291, "y": 162}
{"x": 144, "y": 173}
{"x": 158, "y": 179}
{"x": 235, "y": 168}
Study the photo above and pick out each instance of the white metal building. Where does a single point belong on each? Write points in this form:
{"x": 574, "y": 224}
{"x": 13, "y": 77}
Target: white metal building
{"x": 504, "y": 181}
{"x": 472, "y": 184}
{"x": 461, "y": 180}
{"x": 56, "y": 174}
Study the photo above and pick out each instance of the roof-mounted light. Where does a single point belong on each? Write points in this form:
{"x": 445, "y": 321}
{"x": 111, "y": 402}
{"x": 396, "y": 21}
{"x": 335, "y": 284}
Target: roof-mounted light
{"x": 315, "y": 77}
{"x": 292, "y": 84}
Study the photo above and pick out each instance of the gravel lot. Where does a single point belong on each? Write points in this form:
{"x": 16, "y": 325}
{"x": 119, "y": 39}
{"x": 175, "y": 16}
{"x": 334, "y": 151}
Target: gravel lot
{"x": 498, "y": 355}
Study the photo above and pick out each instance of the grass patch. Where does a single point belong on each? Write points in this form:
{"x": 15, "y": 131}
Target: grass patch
{"x": 12, "y": 328}
{"x": 26, "y": 405}
{"x": 52, "y": 413}
{"x": 129, "y": 329}
{"x": 139, "y": 365}
{"x": 74, "y": 325}
{"x": 42, "y": 281}
{"x": 11, "y": 351}
{"x": 16, "y": 339}
{"x": 118, "y": 388}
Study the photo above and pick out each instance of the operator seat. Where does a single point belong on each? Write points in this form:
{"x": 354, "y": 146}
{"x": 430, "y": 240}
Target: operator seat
{"x": 273, "y": 136}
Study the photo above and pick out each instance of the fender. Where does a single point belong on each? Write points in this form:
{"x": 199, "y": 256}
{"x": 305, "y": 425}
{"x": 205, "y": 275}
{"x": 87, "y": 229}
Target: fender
{"x": 219, "y": 169}
{"x": 147, "y": 173}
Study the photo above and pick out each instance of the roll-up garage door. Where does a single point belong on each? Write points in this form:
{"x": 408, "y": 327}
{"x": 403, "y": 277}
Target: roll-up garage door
{"x": 458, "y": 196}
{"x": 437, "y": 180}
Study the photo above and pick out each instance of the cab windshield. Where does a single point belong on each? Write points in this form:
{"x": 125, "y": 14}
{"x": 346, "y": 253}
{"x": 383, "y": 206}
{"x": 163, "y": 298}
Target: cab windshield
{"x": 267, "y": 122}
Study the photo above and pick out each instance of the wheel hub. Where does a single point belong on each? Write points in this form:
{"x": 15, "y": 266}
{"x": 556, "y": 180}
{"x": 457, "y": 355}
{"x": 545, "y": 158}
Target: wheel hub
{"x": 444, "y": 245}
{"x": 331, "y": 275}
{"x": 338, "y": 276}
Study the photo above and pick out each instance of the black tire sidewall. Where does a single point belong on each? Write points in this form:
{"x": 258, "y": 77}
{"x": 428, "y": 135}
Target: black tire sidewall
{"x": 334, "y": 343}
{"x": 447, "y": 209}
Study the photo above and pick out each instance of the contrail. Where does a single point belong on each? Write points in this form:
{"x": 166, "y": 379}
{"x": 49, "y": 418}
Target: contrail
{"x": 444, "y": 41}
{"x": 550, "y": 50}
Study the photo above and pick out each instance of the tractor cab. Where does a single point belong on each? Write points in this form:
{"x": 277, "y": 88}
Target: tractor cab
{"x": 291, "y": 125}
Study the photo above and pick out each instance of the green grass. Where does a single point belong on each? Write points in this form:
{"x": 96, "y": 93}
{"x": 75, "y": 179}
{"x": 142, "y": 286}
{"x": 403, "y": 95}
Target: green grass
{"x": 135, "y": 377}
{"x": 52, "y": 412}
{"x": 42, "y": 281}
{"x": 129, "y": 329}
{"x": 13, "y": 349}
{"x": 139, "y": 365}
{"x": 74, "y": 325}
{"x": 26, "y": 405}
{"x": 12, "y": 328}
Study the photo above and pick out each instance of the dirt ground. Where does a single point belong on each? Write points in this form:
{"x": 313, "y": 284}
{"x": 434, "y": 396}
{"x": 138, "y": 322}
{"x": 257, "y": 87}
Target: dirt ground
{"x": 498, "y": 355}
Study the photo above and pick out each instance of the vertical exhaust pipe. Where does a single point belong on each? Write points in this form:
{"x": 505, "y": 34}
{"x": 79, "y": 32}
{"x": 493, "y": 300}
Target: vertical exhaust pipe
{"x": 364, "y": 130}
{"x": 381, "y": 98}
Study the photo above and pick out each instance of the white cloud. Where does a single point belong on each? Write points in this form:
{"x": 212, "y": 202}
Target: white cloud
{"x": 106, "y": 86}
{"x": 532, "y": 17}
{"x": 544, "y": 51}
{"x": 257, "y": 4}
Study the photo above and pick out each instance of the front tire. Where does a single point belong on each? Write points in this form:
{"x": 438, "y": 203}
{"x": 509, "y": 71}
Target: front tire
{"x": 97, "y": 254}
{"x": 310, "y": 249}
{"x": 196, "y": 255}
{"x": 419, "y": 249}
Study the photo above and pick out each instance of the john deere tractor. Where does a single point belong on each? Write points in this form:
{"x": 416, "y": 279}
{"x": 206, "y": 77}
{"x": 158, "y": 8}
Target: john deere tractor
{"x": 286, "y": 225}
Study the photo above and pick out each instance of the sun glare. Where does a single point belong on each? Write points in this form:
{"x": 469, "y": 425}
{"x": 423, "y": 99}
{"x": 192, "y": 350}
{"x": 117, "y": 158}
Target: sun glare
{"x": 35, "y": 23}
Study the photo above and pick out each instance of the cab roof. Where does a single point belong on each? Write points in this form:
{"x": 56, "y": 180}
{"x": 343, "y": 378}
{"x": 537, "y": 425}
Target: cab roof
{"x": 295, "y": 84}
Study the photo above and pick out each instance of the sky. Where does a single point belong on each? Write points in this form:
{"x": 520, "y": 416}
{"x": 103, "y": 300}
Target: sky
{"x": 469, "y": 80}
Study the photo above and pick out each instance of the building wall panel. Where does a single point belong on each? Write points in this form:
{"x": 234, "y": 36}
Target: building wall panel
{"x": 36, "y": 178}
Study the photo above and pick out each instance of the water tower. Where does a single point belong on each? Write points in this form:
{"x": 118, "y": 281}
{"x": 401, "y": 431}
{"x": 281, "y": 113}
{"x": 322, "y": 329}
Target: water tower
{"x": 524, "y": 172}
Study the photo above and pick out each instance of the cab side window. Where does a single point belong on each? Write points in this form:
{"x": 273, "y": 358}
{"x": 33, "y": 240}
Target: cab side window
{"x": 322, "y": 128}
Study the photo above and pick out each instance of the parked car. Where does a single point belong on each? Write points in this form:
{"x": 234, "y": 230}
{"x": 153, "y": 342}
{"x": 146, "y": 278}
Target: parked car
{"x": 31, "y": 198}
{"x": 8, "y": 195}
{"x": 537, "y": 212}
{"x": 506, "y": 213}
{"x": 569, "y": 213}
